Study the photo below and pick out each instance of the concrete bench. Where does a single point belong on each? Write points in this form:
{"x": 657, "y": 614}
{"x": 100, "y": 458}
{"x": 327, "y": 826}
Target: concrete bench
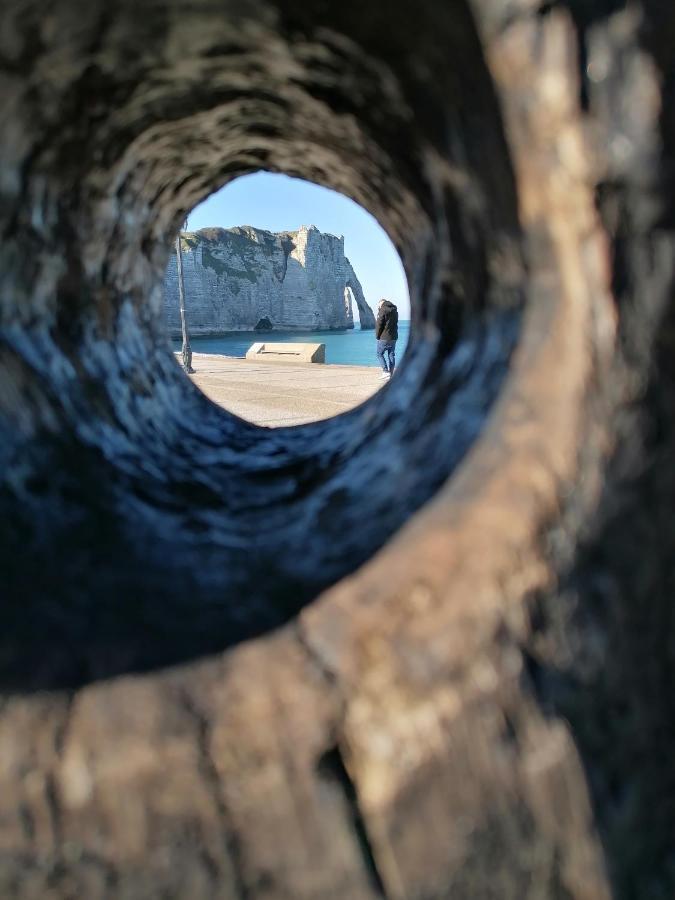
{"x": 303, "y": 353}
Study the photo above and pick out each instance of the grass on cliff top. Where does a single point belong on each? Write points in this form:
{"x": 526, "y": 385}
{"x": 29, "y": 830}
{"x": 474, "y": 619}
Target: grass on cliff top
{"x": 250, "y": 273}
{"x": 239, "y": 241}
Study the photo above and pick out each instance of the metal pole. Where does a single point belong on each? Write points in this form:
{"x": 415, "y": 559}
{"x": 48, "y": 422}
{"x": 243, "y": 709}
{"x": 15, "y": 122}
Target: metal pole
{"x": 186, "y": 350}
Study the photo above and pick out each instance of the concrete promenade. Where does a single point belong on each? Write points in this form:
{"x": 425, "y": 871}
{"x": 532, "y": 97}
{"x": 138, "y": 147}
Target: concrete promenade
{"x": 274, "y": 393}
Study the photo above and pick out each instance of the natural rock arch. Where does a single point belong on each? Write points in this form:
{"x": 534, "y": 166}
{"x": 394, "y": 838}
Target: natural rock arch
{"x": 484, "y": 694}
{"x": 366, "y": 317}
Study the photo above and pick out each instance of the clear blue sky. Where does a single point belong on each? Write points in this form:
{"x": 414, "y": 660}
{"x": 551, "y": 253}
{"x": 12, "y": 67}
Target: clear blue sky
{"x": 280, "y": 203}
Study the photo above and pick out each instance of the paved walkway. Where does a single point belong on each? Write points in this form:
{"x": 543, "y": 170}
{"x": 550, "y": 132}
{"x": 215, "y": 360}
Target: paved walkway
{"x": 273, "y": 393}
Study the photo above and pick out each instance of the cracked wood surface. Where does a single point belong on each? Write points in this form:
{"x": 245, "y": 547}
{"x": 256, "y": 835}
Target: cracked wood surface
{"x": 418, "y": 651}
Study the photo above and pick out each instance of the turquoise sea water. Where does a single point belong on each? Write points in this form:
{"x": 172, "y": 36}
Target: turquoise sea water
{"x": 346, "y": 348}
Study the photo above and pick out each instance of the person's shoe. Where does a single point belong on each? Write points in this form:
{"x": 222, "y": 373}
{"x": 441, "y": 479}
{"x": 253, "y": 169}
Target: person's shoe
{"x": 385, "y": 376}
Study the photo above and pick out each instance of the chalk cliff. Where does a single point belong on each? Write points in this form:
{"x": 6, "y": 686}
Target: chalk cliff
{"x": 245, "y": 279}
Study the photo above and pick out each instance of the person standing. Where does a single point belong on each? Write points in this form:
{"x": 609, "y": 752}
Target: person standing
{"x": 386, "y": 332}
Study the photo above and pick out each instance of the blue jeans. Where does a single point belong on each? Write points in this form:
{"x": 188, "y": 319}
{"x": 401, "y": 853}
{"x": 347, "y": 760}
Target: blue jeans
{"x": 386, "y": 353}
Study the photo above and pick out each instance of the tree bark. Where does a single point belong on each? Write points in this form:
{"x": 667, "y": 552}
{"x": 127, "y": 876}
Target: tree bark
{"x": 422, "y": 650}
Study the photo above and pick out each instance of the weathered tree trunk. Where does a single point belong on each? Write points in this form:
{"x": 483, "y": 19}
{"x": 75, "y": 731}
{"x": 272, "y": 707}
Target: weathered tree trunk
{"x": 186, "y": 349}
{"x": 423, "y": 650}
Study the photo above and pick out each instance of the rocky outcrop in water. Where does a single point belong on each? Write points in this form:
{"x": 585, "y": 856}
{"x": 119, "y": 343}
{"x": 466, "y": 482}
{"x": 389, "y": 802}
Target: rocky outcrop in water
{"x": 245, "y": 279}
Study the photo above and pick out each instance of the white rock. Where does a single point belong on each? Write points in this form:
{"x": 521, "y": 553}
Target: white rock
{"x": 237, "y": 279}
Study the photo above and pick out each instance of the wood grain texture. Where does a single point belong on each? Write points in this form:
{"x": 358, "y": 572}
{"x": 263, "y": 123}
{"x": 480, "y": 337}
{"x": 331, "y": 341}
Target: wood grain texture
{"x": 422, "y": 650}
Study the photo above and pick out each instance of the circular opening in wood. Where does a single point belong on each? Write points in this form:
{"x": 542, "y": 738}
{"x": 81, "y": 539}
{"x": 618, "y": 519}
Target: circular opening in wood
{"x": 147, "y": 525}
{"x": 285, "y": 325}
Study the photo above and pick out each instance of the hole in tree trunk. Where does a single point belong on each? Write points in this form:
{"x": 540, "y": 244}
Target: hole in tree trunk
{"x": 154, "y": 493}
{"x": 403, "y": 543}
{"x": 183, "y": 523}
{"x": 227, "y": 284}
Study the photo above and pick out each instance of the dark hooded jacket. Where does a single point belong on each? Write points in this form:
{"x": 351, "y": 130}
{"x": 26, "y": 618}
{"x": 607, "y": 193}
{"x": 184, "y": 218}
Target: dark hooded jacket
{"x": 386, "y": 326}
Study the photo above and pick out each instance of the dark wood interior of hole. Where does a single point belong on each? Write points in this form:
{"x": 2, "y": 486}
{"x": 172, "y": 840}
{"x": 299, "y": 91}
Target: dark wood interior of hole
{"x": 471, "y": 694}
{"x": 145, "y": 525}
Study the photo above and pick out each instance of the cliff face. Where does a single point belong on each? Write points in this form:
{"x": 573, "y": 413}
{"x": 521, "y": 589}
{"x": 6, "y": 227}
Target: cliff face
{"x": 242, "y": 279}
